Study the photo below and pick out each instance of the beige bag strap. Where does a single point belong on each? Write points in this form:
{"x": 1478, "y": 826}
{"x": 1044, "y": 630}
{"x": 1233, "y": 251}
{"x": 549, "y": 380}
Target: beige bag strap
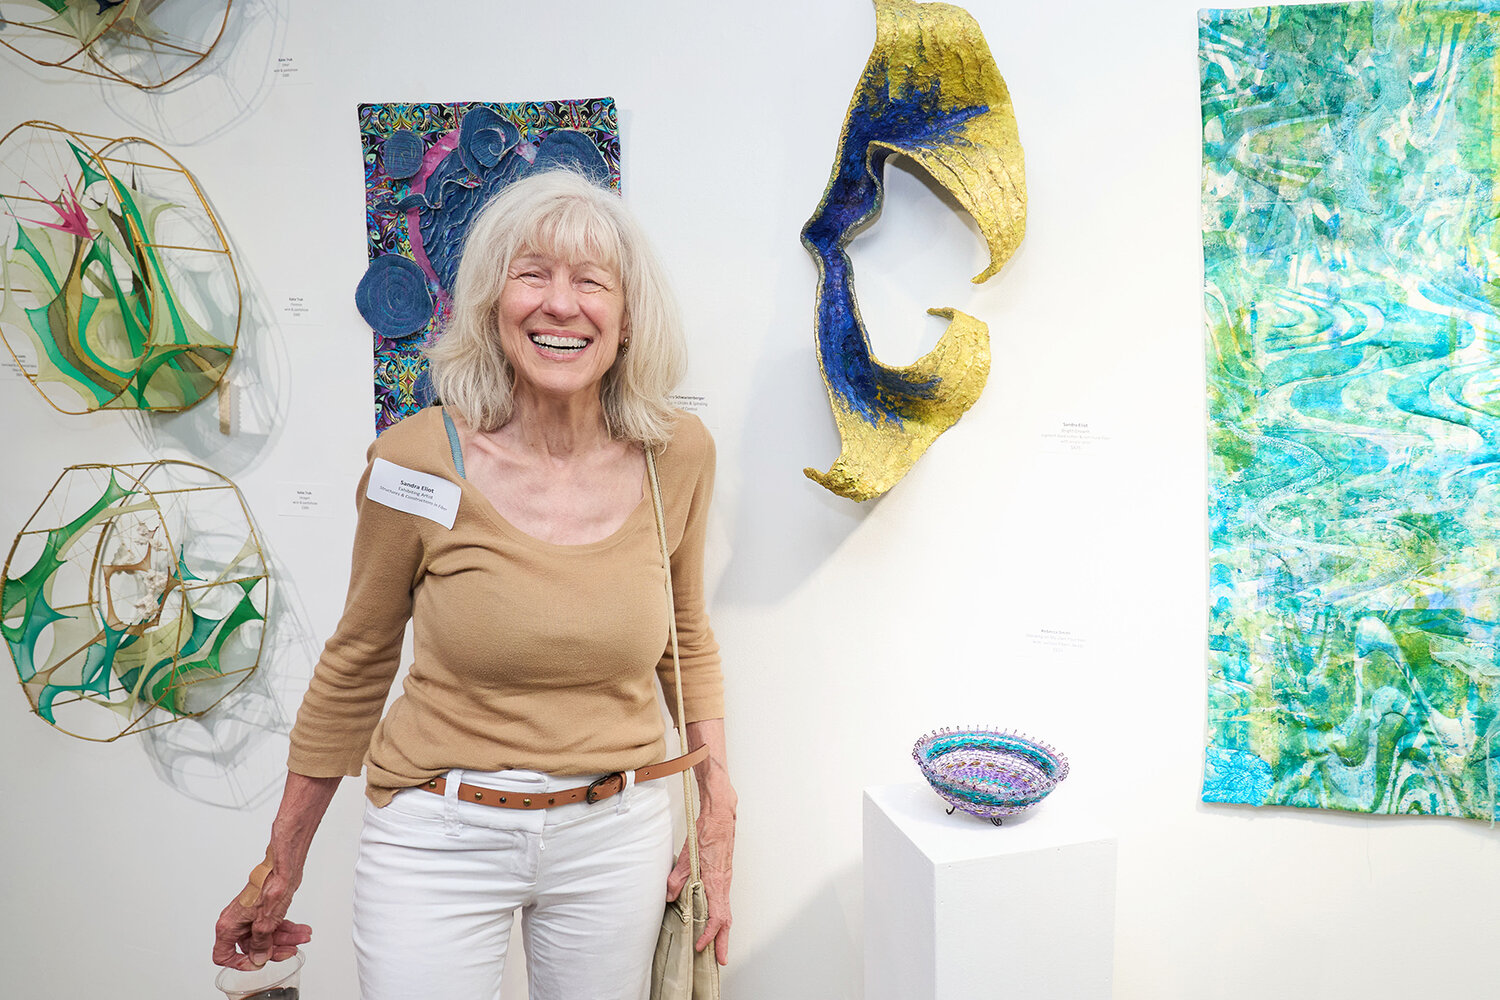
{"x": 694, "y": 873}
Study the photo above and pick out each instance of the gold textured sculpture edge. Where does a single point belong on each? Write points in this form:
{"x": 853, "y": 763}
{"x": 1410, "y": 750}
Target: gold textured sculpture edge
{"x": 930, "y": 91}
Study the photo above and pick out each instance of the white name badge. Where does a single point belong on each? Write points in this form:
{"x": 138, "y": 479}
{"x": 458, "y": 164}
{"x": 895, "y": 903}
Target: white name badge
{"x": 414, "y": 492}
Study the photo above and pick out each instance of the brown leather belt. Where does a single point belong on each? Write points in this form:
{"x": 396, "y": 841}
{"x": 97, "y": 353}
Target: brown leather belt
{"x": 601, "y": 788}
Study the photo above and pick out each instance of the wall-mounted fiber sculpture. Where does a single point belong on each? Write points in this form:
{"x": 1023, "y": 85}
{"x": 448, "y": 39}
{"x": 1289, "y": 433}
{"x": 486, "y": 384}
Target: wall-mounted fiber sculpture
{"x": 931, "y": 92}
{"x": 135, "y": 596}
{"x": 144, "y": 43}
{"x": 117, "y": 287}
{"x": 429, "y": 169}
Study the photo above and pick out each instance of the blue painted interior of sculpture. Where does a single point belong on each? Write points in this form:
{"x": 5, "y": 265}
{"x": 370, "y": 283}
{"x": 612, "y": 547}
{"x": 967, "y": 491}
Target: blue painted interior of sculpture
{"x": 909, "y": 119}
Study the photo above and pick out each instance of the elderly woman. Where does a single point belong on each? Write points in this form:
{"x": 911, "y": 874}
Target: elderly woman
{"x": 514, "y": 527}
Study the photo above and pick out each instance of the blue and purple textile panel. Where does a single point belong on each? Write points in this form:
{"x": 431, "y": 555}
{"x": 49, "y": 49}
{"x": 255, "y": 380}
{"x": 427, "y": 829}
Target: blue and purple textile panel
{"x": 429, "y": 169}
{"x": 1352, "y": 266}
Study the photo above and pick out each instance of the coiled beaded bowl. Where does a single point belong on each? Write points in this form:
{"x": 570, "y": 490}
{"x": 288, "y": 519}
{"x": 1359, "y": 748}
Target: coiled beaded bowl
{"x": 989, "y": 773}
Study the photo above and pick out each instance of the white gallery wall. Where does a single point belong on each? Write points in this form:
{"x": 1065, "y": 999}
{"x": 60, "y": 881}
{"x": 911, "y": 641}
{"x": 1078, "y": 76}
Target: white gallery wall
{"x": 1019, "y": 576}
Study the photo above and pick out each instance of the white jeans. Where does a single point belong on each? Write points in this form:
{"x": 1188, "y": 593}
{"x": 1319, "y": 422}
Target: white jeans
{"x": 438, "y": 881}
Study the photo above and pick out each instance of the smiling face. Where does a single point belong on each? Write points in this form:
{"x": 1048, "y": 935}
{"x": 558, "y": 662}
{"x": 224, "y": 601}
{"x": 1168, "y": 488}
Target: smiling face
{"x": 560, "y": 323}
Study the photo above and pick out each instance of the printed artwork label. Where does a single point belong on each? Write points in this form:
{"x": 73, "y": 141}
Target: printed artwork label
{"x": 305, "y": 500}
{"x": 414, "y": 492}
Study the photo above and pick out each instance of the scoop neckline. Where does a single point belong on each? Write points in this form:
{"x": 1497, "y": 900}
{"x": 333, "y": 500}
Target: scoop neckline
{"x": 525, "y": 537}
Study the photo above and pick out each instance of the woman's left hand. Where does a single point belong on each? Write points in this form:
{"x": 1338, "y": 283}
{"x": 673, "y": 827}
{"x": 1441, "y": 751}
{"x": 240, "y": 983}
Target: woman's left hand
{"x": 718, "y": 804}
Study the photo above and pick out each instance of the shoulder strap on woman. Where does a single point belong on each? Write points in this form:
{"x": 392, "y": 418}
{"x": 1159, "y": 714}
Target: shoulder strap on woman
{"x": 458, "y": 452}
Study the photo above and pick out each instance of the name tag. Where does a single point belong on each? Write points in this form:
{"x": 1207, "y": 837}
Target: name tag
{"x": 404, "y": 489}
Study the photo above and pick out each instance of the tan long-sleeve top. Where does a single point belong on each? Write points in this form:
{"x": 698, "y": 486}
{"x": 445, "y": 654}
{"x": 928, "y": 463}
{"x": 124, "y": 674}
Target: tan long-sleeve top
{"x": 527, "y": 654}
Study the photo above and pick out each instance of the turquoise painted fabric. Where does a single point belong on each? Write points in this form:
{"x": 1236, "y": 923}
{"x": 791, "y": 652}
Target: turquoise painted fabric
{"x": 1352, "y": 264}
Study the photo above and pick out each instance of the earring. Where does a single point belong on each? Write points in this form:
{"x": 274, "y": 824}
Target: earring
{"x": 624, "y": 345}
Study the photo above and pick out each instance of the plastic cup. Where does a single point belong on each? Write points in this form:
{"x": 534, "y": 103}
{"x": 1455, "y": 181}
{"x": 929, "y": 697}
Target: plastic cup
{"x": 272, "y": 981}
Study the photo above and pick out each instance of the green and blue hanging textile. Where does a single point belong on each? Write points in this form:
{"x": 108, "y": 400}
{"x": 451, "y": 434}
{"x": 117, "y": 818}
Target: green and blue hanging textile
{"x": 1352, "y": 266}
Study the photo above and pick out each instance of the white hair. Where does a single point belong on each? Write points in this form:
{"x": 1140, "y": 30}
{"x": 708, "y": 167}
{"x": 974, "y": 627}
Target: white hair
{"x": 562, "y": 214}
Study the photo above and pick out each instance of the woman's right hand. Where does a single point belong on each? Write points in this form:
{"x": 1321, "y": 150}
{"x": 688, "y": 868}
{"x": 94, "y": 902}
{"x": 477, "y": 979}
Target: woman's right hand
{"x": 253, "y": 928}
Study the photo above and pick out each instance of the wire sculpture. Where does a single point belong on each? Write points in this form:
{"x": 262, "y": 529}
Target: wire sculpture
{"x": 140, "y": 589}
{"x": 144, "y": 43}
{"x": 119, "y": 292}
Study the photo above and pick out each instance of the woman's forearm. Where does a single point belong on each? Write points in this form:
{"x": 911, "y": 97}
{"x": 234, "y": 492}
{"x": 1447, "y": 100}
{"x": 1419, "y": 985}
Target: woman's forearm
{"x": 715, "y": 790}
{"x": 715, "y": 835}
{"x": 303, "y": 803}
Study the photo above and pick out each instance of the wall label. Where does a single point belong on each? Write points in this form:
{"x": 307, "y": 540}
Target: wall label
{"x": 694, "y": 403}
{"x": 15, "y": 366}
{"x": 1074, "y": 437}
{"x": 305, "y": 500}
{"x": 1058, "y": 639}
{"x": 299, "y": 309}
{"x": 287, "y": 70}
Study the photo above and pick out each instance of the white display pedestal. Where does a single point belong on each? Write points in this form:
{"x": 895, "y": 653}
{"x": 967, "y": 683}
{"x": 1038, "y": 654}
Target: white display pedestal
{"x": 957, "y": 909}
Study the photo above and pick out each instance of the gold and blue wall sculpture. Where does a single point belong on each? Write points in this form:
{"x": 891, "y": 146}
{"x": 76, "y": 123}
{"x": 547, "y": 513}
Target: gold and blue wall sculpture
{"x": 930, "y": 91}
{"x": 1352, "y": 261}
